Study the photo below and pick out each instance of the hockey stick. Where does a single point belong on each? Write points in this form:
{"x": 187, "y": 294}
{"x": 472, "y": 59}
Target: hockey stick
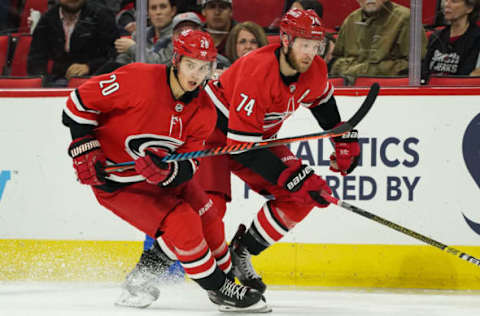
{"x": 337, "y": 131}
{"x": 406, "y": 231}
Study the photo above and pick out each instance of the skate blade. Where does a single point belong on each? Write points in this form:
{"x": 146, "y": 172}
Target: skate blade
{"x": 134, "y": 301}
{"x": 259, "y": 307}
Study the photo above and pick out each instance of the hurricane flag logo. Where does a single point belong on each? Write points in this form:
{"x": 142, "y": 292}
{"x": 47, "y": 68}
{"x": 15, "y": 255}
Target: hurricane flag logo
{"x": 471, "y": 155}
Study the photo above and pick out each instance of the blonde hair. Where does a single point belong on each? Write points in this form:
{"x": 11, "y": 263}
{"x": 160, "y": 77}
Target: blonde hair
{"x": 252, "y": 27}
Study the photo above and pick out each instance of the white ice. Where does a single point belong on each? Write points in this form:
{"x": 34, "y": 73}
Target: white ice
{"x": 65, "y": 299}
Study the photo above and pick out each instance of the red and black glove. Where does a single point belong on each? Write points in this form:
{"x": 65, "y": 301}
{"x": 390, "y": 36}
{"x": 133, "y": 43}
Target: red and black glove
{"x": 347, "y": 152}
{"x": 301, "y": 182}
{"x": 164, "y": 174}
{"x": 88, "y": 160}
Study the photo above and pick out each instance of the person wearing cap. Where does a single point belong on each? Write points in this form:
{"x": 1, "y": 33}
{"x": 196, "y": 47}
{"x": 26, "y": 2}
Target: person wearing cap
{"x": 163, "y": 50}
{"x": 160, "y": 14}
{"x": 218, "y": 21}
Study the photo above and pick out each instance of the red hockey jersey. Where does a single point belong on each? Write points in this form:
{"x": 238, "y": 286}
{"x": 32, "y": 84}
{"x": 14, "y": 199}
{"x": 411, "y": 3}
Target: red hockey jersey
{"x": 253, "y": 97}
{"x": 133, "y": 108}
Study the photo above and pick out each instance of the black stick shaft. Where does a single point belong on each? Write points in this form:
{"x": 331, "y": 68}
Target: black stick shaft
{"x": 401, "y": 229}
{"x": 342, "y": 129}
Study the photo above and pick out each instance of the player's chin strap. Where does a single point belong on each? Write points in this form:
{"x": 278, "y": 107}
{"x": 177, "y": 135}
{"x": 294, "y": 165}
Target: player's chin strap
{"x": 175, "y": 73}
{"x": 187, "y": 96}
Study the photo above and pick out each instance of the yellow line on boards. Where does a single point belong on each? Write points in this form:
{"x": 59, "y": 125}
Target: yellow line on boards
{"x": 329, "y": 265}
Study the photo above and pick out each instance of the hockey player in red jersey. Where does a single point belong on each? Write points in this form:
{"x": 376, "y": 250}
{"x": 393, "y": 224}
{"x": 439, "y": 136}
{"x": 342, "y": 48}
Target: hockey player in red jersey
{"x": 144, "y": 112}
{"x": 253, "y": 98}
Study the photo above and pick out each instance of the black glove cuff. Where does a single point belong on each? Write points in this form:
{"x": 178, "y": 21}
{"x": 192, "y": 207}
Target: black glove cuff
{"x": 182, "y": 171}
{"x": 296, "y": 179}
{"x": 354, "y": 164}
{"x": 83, "y": 146}
{"x": 349, "y": 137}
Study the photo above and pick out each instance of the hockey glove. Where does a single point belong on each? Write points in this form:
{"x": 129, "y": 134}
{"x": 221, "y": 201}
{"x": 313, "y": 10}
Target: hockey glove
{"x": 88, "y": 160}
{"x": 347, "y": 152}
{"x": 301, "y": 181}
{"x": 164, "y": 174}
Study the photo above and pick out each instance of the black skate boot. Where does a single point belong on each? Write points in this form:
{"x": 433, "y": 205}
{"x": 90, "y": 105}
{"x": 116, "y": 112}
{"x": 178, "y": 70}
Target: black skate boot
{"x": 241, "y": 263}
{"x": 141, "y": 286}
{"x": 232, "y": 297}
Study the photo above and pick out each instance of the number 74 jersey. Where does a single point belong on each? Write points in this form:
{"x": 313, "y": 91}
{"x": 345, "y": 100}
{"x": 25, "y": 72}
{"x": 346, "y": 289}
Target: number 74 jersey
{"x": 255, "y": 99}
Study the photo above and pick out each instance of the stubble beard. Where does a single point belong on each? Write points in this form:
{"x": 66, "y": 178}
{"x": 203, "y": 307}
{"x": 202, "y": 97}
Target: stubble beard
{"x": 293, "y": 62}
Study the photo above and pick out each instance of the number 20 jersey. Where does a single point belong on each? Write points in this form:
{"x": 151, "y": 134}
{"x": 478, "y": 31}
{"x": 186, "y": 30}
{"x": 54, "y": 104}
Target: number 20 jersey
{"x": 133, "y": 108}
{"x": 255, "y": 100}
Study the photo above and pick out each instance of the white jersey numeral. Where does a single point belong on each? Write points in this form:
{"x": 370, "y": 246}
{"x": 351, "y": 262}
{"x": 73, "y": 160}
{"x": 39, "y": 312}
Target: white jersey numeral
{"x": 109, "y": 86}
{"x": 247, "y": 106}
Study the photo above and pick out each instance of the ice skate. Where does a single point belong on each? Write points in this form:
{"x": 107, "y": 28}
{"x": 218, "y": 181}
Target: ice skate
{"x": 141, "y": 286}
{"x": 241, "y": 263}
{"x": 232, "y": 297}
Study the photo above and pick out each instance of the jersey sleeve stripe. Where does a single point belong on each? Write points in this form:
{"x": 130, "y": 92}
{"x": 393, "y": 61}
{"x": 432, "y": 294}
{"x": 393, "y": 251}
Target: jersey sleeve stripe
{"x": 327, "y": 96}
{"x": 218, "y": 104}
{"x": 244, "y": 138}
{"x": 79, "y": 119}
{"x": 77, "y": 101}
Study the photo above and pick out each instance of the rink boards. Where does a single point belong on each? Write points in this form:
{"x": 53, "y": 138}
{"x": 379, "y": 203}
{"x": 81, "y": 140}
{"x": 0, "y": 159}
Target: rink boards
{"x": 420, "y": 169}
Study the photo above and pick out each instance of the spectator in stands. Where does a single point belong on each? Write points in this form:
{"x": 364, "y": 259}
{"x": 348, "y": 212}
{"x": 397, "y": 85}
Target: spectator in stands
{"x": 125, "y": 17}
{"x": 455, "y": 50}
{"x": 328, "y": 42}
{"x": 76, "y": 37}
{"x": 374, "y": 40}
{"x": 160, "y": 14}
{"x": 218, "y": 19}
{"x": 181, "y": 22}
{"x": 243, "y": 38}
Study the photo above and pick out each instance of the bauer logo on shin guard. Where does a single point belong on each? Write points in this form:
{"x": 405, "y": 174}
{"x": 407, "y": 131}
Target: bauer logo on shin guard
{"x": 293, "y": 183}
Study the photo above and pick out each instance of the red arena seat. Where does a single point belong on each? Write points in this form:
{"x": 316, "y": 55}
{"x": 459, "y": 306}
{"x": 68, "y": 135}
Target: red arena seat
{"x": 337, "y": 81}
{"x": 383, "y": 81}
{"x": 334, "y": 12}
{"x": 429, "y": 10}
{"x": 4, "y": 45}
{"x": 38, "y": 5}
{"x": 19, "y": 60}
{"x": 262, "y": 12}
{"x": 273, "y": 39}
{"x": 20, "y": 82}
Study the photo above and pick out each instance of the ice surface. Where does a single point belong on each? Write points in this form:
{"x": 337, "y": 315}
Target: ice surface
{"x": 43, "y": 298}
